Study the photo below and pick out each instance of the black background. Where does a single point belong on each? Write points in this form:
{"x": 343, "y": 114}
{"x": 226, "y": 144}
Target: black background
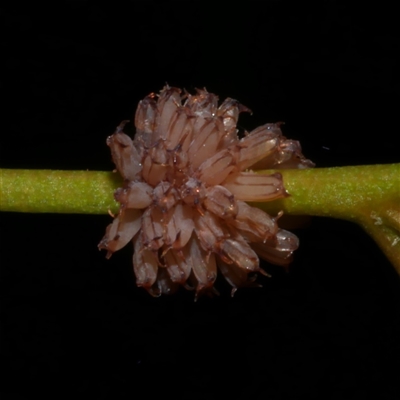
{"x": 74, "y": 323}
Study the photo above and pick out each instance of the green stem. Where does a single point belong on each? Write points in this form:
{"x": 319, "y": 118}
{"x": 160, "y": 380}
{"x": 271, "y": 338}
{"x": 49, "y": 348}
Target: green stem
{"x": 368, "y": 195}
{"x": 52, "y": 191}
{"x": 340, "y": 192}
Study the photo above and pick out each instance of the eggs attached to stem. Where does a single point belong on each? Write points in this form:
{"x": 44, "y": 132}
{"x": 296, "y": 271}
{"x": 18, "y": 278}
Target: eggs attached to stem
{"x": 368, "y": 195}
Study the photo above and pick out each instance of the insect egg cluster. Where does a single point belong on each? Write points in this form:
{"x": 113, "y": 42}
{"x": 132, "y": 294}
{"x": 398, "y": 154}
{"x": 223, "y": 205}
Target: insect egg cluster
{"x": 187, "y": 180}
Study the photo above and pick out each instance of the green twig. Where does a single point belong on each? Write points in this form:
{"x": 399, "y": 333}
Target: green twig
{"x": 52, "y": 191}
{"x": 367, "y": 195}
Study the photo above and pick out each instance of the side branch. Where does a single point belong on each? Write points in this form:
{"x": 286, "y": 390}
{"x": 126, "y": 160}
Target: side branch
{"x": 368, "y": 195}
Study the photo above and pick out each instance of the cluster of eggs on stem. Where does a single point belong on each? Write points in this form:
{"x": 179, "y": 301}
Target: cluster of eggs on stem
{"x": 187, "y": 181}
